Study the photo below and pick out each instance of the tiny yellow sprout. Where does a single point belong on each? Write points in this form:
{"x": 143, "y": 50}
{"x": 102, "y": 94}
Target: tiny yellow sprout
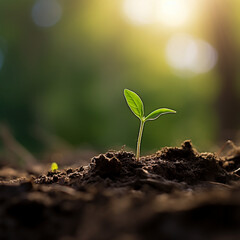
{"x": 54, "y": 167}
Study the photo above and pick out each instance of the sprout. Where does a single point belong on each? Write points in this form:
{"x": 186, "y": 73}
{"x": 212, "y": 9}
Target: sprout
{"x": 54, "y": 167}
{"x": 136, "y": 105}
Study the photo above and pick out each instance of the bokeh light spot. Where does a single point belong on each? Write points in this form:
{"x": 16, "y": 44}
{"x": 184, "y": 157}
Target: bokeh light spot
{"x": 188, "y": 54}
{"x": 173, "y": 12}
{"x": 46, "y": 13}
{"x": 139, "y": 11}
{"x": 168, "y": 12}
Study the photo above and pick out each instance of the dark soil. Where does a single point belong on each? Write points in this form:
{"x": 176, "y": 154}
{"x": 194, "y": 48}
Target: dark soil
{"x": 176, "y": 193}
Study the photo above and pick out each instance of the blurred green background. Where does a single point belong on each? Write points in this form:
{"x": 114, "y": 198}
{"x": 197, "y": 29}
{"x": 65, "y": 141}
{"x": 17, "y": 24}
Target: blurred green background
{"x": 64, "y": 65}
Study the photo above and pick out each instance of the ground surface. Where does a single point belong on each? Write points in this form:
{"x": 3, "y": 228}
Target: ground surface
{"x": 176, "y": 193}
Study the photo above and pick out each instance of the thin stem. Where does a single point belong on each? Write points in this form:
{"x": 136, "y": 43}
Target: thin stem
{"x": 139, "y": 139}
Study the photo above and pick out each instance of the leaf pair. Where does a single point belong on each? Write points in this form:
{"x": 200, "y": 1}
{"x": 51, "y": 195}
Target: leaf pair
{"x": 136, "y": 105}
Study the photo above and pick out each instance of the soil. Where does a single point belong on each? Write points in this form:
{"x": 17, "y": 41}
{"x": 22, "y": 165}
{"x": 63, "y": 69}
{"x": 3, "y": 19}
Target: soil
{"x": 176, "y": 193}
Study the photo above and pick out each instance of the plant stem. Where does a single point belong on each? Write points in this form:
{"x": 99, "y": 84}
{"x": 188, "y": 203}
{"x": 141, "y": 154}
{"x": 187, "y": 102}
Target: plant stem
{"x": 139, "y": 139}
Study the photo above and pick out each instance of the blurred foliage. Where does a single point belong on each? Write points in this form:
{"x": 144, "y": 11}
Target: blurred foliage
{"x": 68, "y": 79}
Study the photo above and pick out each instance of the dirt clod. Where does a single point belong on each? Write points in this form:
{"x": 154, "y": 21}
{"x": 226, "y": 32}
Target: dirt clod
{"x": 107, "y": 165}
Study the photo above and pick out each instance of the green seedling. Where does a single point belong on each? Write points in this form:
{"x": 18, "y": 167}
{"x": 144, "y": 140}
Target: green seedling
{"x": 54, "y": 167}
{"x": 136, "y": 105}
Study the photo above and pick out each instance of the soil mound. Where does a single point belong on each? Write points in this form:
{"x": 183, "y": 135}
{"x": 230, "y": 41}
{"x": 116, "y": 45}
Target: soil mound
{"x": 169, "y": 169}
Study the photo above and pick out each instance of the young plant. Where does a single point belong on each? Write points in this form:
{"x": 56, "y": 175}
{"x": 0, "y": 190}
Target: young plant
{"x": 136, "y": 105}
{"x": 54, "y": 167}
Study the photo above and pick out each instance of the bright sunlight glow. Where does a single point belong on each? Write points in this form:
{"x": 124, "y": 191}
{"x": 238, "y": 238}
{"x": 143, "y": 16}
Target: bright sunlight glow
{"x": 168, "y": 12}
{"x": 173, "y": 12}
{"x": 139, "y": 11}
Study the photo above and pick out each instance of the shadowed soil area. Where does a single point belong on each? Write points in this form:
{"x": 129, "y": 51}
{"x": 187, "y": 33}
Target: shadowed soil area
{"x": 176, "y": 193}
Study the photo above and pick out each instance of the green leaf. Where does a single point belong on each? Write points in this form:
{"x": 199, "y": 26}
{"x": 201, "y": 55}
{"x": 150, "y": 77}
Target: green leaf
{"x": 157, "y": 113}
{"x": 135, "y": 103}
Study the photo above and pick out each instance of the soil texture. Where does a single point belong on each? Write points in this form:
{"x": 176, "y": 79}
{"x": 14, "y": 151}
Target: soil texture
{"x": 176, "y": 193}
